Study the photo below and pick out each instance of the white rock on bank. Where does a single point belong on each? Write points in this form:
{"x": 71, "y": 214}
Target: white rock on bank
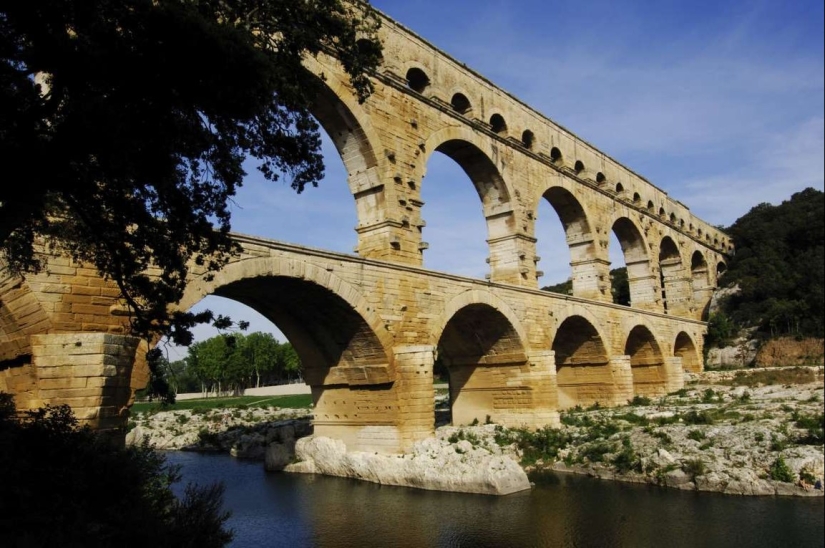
{"x": 432, "y": 465}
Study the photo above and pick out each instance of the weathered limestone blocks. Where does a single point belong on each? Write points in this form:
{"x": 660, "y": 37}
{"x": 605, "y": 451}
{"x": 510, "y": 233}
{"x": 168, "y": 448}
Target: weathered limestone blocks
{"x": 90, "y": 372}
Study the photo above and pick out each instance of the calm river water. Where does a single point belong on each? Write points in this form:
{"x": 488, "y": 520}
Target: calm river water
{"x": 298, "y": 511}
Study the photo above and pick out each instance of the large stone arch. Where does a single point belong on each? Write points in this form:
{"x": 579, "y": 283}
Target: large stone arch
{"x": 583, "y": 372}
{"x": 647, "y": 362}
{"x": 589, "y": 269}
{"x": 279, "y": 287}
{"x": 484, "y": 351}
{"x": 685, "y": 348}
{"x": 478, "y": 157}
{"x": 640, "y": 277}
{"x": 347, "y": 354}
{"x": 359, "y": 145}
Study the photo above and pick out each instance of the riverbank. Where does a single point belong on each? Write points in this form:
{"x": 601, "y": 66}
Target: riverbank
{"x": 749, "y": 432}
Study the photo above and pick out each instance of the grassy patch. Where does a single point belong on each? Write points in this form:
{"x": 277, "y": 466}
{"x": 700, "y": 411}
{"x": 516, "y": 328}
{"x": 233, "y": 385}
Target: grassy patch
{"x": 242, "y": 402}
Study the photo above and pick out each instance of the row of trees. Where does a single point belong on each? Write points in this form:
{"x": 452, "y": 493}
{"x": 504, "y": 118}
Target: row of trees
{"x": 233, "y": 362}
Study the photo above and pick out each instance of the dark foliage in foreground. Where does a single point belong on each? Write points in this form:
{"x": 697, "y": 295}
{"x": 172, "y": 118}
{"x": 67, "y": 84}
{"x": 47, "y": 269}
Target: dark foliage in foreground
{"x": 66, "y": 486}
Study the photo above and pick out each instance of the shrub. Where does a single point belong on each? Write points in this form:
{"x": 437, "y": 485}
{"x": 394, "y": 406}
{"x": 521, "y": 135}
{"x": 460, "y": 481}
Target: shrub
{"x": 543, "y": 444}
{"x": 641, "y": 401}
{"x": 780, "y": 471}
{"x": 814, "y": 426}
{"x": 595, "y": 452}
{"x": 696, "y": 435}
{"x": 694, "y": 468}
{"x": 627, "y": 460}
{"x": 807, "y": 476}
{"x": 664, "y": 437}
{"x": 698, "y": 417}
{"x": 96, "y": 493}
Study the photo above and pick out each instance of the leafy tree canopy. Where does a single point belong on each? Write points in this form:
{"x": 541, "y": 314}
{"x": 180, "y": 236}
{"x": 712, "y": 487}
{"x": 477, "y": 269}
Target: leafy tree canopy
{"x": 127, "y": 123}
{"x": 779, "y": 267}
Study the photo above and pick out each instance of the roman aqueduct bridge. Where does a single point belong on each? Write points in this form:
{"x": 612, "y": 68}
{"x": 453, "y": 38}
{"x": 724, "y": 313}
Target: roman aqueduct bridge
{"x": 369, "y": 327}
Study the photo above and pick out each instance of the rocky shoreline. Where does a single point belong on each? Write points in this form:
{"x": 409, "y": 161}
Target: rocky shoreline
{"x": 748, "y": 432}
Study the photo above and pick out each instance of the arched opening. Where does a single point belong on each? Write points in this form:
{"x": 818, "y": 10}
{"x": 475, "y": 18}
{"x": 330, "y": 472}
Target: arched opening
{"x": 580, "y": 243}
{"x": 579, "y": 167}
{"x": 460, "y": 103}
{"x": 527, "y": 139}
{"x": 343, "y": 358}
{"x": 497, "y": 124}
{"x": 619, "y": 188}
{"x": 637, "y": 289}
{"x": 484, "y": 358}
{"x": 662, "y": 212}
{"x": 456, "y": 236}
{"x": 600, "y": 178}
{"x": 417, "y": 80}
{"x": 721, "y": 268}
{"x": 637, "y": 198}
{"x": 646, "y": 363}
{"x": 671, "y": 277}
{"x": 685, "y": 349}
{"x": 673, "y": 218}
{"x": 583, "y": 373}
{"x": 700, "y": 280}
{"x": 276, "y": 211}
{"x": 555, "y": 156}
{"x": 650, "y": 206}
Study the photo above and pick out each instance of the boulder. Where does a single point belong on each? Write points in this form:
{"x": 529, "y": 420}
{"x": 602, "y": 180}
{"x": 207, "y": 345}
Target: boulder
{"x": 430, "y": 466}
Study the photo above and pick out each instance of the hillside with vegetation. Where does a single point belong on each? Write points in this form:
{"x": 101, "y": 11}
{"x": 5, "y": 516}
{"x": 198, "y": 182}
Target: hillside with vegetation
{"x": 775, "y": 282}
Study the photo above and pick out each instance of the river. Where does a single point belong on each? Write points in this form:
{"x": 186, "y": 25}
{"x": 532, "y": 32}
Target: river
{"x": 298, "y": 511}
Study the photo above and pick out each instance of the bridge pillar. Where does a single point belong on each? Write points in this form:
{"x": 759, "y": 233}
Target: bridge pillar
{"x": 539, "y": 375}
{"x": 674, "y": 373}
{"x": 390, "y": 241}
{"x": 591, "y": 279}
{"x": 644, "y": 286}
{"x": 416, "y": 394}
{"x": 622, "y": 379}
{"x": 90, "y": 372}
{"x": 513, "y": 260}
{"x": 701, "y": 297}
{"x": 677, "y": 287}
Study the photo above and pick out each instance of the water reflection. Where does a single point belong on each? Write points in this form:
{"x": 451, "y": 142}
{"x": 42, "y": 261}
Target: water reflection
{"x": 309, "y": 511}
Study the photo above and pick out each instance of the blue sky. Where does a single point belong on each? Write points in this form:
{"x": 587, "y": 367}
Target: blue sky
{"x": 718, "y": 103}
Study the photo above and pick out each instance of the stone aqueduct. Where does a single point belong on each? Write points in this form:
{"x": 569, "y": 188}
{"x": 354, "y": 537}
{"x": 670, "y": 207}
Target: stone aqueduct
{"x": 369, "y": 327}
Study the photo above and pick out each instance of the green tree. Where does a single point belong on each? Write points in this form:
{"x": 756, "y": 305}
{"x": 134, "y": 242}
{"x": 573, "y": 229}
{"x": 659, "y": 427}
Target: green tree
{"x": 95, "y": 494}
{"x": 620, "y": 286}
{"x": 289, "y": 362}
{"x": 261, "y": 350}
{"x": 138, "y": 115}
{"x": 779, "y": 267}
